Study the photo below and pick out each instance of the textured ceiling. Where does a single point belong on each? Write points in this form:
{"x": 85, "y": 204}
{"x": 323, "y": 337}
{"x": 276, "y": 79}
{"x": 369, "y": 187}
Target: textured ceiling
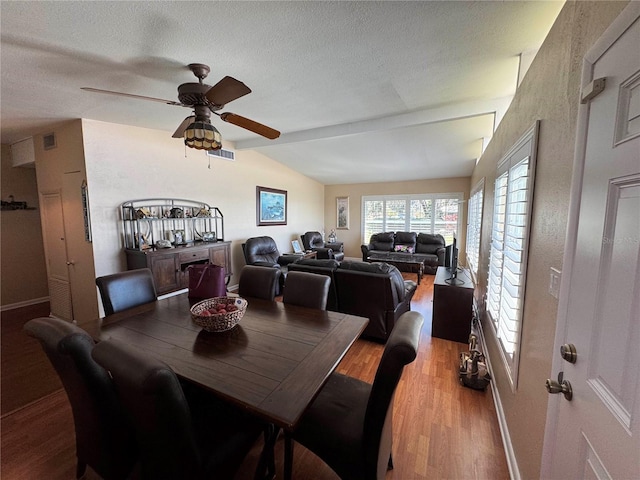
{"x": 361, "y": 91}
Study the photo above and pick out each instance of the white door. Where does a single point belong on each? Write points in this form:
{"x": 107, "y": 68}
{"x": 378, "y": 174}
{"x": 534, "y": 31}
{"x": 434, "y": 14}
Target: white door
{"x": 56, "y": 252}
{"x": 596, "y": 434}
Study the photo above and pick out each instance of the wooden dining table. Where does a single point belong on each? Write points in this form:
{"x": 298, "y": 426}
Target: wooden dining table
{"x": 272, "y": 364}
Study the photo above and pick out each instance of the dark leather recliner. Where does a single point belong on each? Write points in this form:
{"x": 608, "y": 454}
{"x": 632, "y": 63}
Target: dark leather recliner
{"x": 263, "y": 252}
{"x": 313, "y": 241}
{"x": 105, "y": 439}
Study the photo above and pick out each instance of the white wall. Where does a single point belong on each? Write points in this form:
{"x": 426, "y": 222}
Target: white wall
{"x": 355, "y": 191}
{"x": 127, "y": 163}
{"x": 550, "y": 92}
{"x": 24, "y": 273}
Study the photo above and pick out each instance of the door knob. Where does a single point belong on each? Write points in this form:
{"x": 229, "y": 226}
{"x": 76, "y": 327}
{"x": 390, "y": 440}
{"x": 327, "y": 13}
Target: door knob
{"x": 560, "y": 386}
{"x": 71, "y": 263}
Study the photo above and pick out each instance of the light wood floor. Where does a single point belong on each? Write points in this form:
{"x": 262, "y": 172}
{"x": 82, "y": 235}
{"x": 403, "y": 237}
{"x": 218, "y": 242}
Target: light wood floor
{"x": 441, "y": 429}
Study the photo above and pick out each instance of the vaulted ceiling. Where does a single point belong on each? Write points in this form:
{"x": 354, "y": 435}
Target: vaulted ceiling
{"x": 362, "y": 91}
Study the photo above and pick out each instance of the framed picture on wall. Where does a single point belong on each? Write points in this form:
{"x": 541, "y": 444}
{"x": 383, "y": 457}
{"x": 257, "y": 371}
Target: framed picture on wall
{"x": 271, "y": 206}
{"x": 342, "y": 212}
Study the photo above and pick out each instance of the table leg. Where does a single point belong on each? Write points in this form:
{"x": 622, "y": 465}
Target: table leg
{"x": 420, "y": 272}
{"x": 288, "y": 456}
{"x": 266, "y": 469}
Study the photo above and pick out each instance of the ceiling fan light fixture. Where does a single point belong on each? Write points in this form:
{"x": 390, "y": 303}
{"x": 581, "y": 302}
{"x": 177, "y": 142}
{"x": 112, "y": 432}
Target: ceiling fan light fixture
{"x": 202, "y": 136}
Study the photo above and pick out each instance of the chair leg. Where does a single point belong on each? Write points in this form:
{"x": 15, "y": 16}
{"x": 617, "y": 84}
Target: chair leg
{"x": 288, "y": 456}
{"x": 390, "y": 464}
{"x": 80, "y": 469}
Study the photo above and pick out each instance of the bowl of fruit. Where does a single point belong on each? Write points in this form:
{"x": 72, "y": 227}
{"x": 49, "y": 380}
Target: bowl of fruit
{"x": 218, "y": 314}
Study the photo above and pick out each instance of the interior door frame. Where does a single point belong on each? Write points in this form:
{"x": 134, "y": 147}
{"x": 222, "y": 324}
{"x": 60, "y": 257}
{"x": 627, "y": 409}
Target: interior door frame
{"x": 626, "y": 18}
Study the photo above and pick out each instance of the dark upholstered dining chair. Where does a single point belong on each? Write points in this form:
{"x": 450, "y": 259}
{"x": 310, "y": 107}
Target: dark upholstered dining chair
{"x": 127, "y": 289}
{"x": 348, "y": 425}
{"x": 105, "y": 440}
{"x": 258, "y": 282}
{"x": 177, "y": 437}
{"x": 307, "y": 290}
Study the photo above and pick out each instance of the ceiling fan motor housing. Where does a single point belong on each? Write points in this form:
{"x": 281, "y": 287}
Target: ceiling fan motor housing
{"x": 193, "y": 94}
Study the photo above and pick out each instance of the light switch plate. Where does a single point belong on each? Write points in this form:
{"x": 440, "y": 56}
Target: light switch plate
{"x": 554, "y": 282}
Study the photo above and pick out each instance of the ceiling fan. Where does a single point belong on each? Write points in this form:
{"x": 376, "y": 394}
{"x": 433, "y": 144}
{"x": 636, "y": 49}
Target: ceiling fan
{"x": 204, "y": 99}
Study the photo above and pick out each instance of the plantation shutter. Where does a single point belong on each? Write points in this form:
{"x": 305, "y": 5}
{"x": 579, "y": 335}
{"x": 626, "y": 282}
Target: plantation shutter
{"x": 513, "y": 198}
{"x": 474, "y": 226}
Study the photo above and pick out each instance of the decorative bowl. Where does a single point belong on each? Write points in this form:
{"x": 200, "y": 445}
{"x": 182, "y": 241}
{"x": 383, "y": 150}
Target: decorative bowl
{"x": 204, "y": 313}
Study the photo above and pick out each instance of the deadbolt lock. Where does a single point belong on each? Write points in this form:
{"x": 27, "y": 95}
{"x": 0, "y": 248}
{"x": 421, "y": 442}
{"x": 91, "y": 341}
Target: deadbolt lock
{"x": 568, "y": 352}
{"x": 560, "y": 386}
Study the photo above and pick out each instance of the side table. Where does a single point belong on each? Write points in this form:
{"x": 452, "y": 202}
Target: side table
{"x": 452, "y": 306}
{"x": 298, "y": 256}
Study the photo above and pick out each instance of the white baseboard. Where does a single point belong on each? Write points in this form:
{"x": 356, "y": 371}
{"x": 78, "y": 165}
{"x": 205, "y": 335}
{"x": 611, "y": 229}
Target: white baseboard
{"x": 512, "y": 463}
{"x": 26, "y": 303}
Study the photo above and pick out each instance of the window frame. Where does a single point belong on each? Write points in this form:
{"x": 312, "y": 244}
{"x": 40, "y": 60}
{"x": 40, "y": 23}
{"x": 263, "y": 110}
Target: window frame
{"x": 524, "y": 150}
{"x": 459, "y": 196}
{"x": 475, "y": 208}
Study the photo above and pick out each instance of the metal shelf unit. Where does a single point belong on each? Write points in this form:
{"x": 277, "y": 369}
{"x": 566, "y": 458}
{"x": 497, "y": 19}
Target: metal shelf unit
{"x": 180, "y": 222}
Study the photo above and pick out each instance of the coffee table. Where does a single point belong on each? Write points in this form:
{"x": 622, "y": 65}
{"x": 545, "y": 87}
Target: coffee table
{"x": 408, "y": 264}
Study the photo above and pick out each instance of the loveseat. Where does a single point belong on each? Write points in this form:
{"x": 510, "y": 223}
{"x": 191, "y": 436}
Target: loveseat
{"x": 425, "y": 247}
{"x": 373, "y": 290}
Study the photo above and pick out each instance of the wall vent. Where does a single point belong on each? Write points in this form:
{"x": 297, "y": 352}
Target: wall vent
{"x": 49, "y": 141}
{"x": 222, "y": 153}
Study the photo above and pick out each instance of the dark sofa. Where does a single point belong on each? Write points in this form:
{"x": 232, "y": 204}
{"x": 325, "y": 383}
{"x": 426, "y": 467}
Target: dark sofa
{"x": 425, "y": 247}
{"x": 373, "y": 290}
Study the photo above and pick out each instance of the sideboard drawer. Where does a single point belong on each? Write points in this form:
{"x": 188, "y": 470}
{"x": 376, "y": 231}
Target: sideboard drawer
{"x": 195, "y": 255}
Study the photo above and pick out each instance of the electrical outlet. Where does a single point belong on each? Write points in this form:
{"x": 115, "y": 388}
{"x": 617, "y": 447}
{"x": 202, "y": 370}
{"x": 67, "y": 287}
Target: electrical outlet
{"x": 554, "y": 282}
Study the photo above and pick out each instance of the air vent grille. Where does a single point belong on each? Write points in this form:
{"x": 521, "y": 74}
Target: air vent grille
{"x": 49, "y": 141}
{"x": 222, "y": 153}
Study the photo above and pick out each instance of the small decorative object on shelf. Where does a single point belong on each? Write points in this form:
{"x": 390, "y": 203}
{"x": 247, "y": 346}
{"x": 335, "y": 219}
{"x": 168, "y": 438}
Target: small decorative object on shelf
{"x": 13, "y": 205}
{"x": 150, "y": 223}
{"x": 333, "y": 238}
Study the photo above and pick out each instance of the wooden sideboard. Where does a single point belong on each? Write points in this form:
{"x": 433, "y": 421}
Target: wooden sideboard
{"x": 169, "y": 265}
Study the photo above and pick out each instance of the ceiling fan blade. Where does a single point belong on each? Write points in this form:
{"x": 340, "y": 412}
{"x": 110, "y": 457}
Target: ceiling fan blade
{"x": 183, "y": 126}
{"x": 250, "y": 125}
{"x": 130, "y": 95}
{"x": 226, "y": 90}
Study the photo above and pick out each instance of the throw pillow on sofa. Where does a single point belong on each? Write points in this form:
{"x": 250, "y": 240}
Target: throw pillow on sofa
{"x": 403, "y": 249}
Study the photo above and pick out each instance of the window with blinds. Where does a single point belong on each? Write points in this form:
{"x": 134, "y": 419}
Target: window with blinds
{"x": 474, "y": 226}
{"x": 512, "y": 200}
{"x": 429, "y": 213}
